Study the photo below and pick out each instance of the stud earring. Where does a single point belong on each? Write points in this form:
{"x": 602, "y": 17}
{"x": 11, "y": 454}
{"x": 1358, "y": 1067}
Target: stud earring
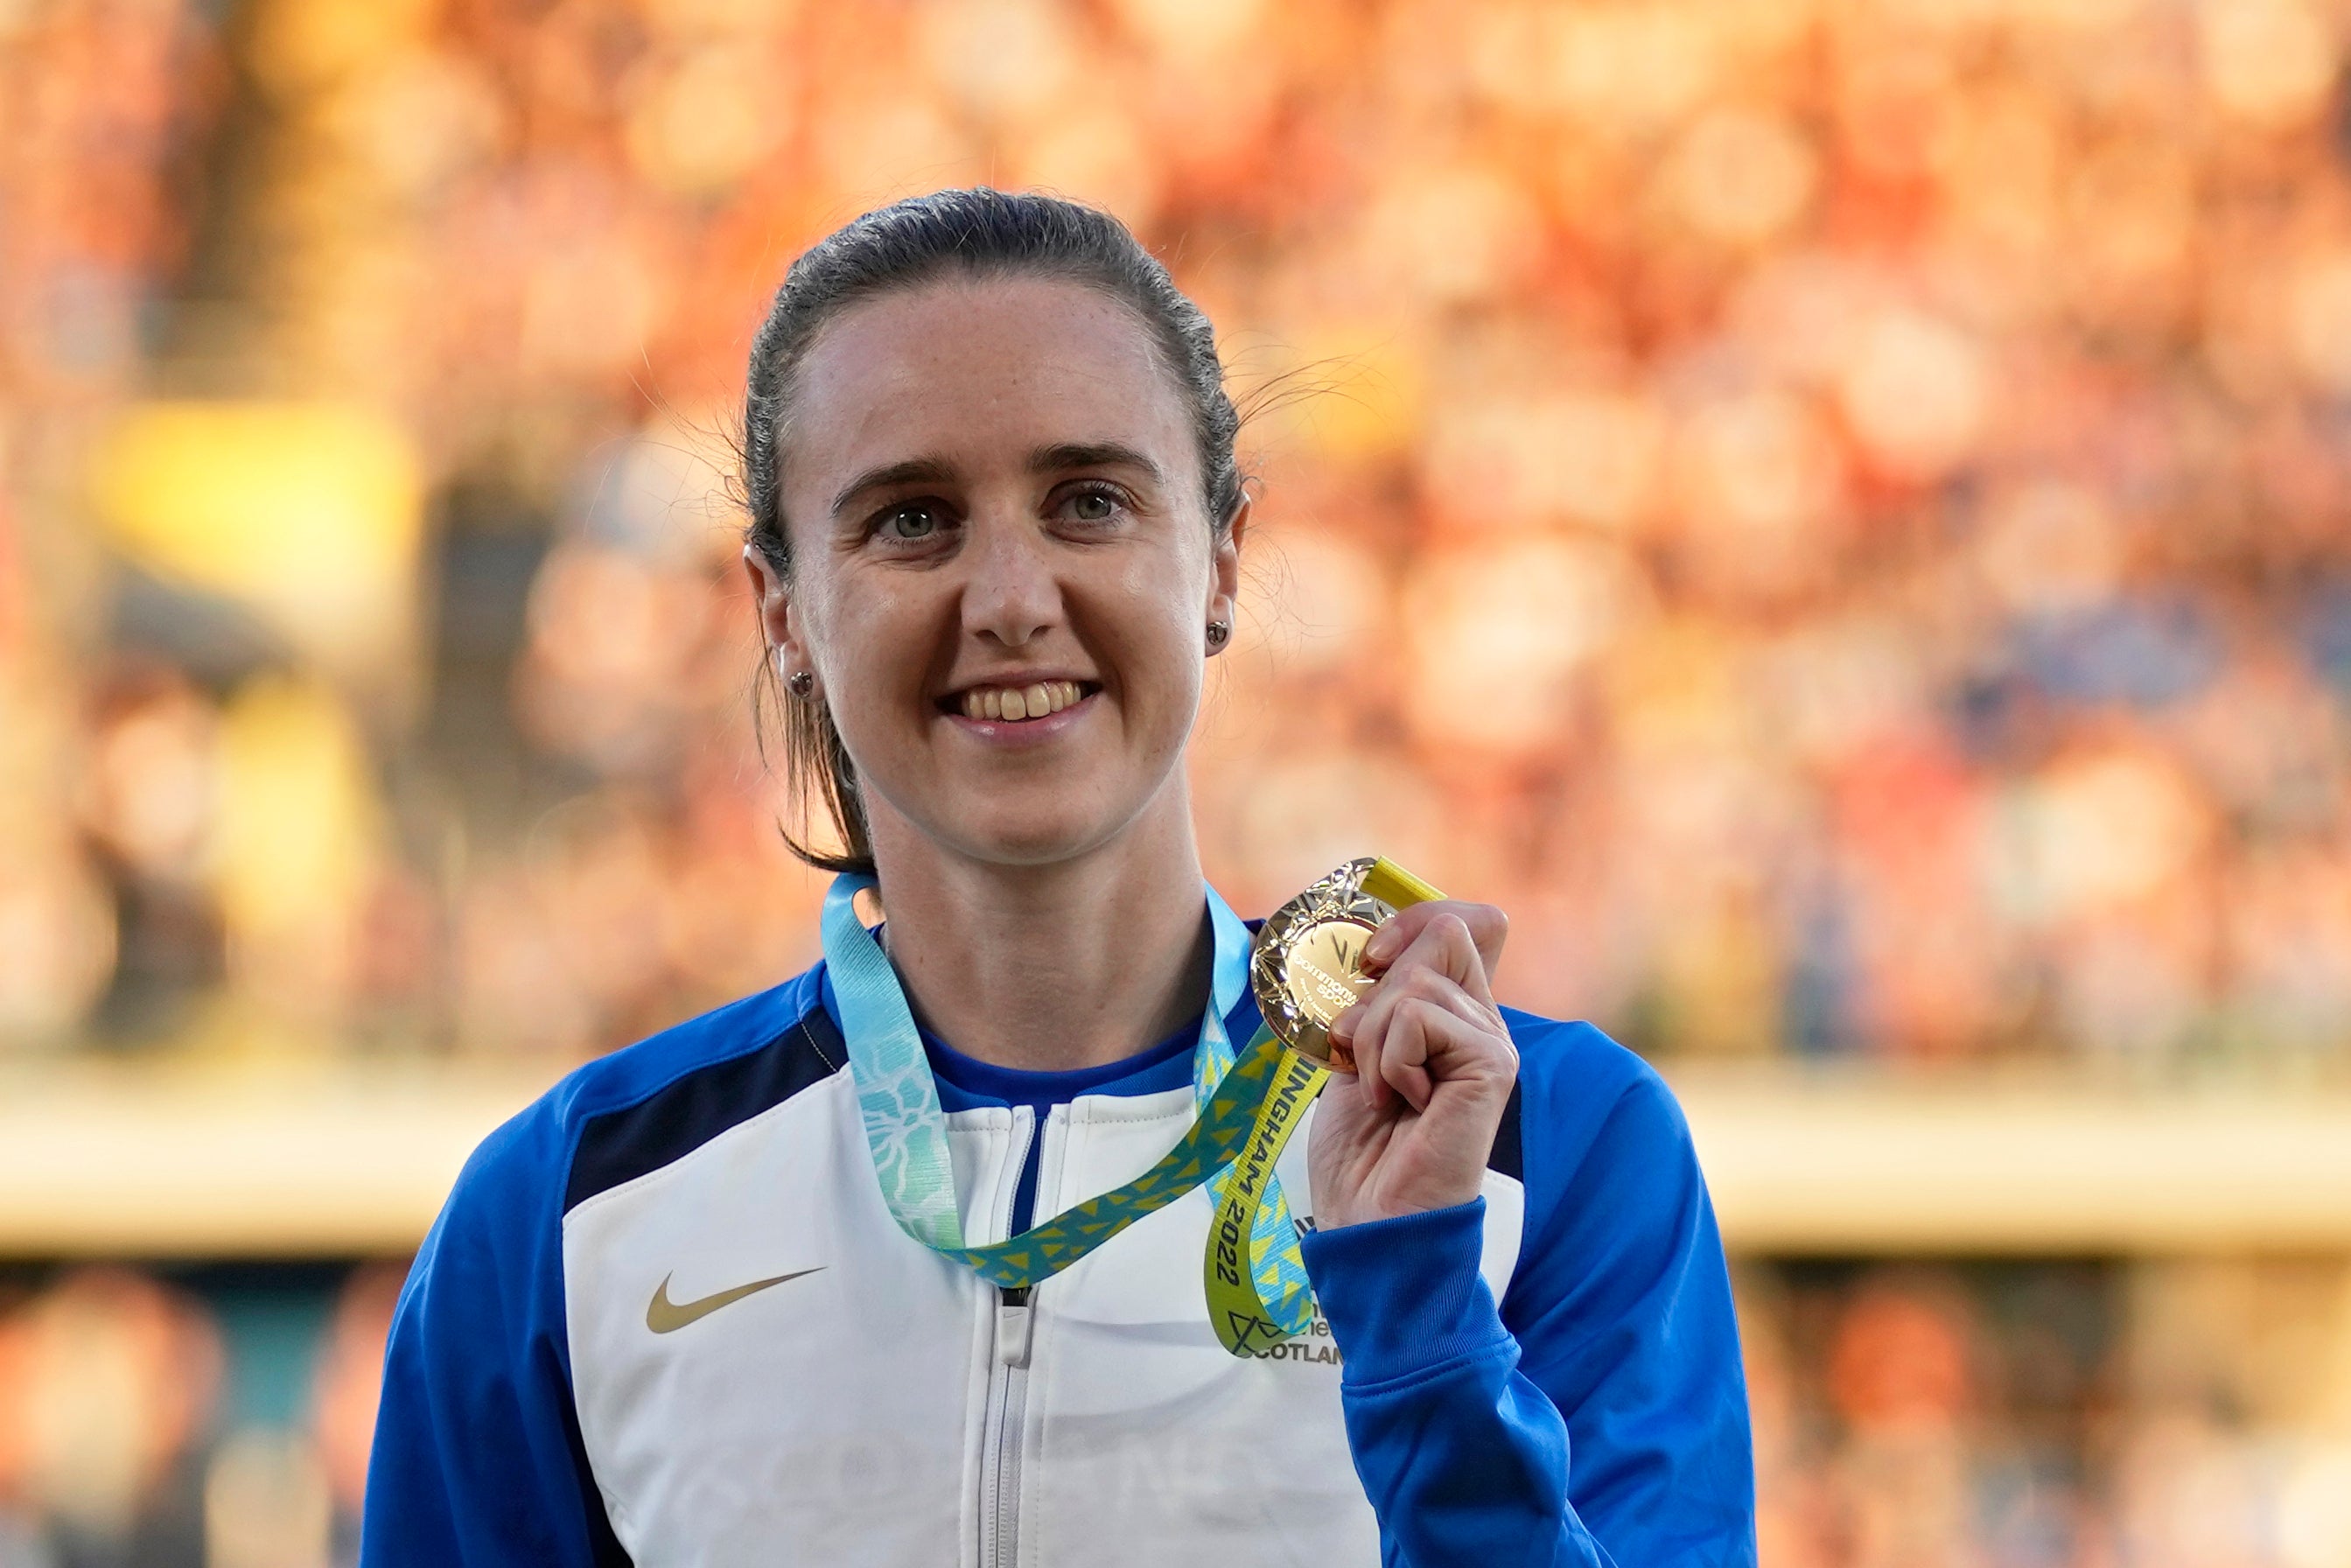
{"x": 1218, "y": 633}
{"x": 802, "y": 682}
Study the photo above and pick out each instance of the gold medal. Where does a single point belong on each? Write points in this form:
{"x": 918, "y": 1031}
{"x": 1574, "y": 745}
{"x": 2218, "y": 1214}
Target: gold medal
{"x": 1307, "y": 966}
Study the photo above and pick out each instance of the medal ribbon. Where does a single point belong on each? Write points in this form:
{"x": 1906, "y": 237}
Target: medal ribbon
{"x": 899, "y": 1103}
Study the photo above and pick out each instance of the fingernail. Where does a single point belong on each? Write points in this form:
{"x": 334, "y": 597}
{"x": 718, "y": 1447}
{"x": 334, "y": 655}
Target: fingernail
{"x": 1383, "y": 942}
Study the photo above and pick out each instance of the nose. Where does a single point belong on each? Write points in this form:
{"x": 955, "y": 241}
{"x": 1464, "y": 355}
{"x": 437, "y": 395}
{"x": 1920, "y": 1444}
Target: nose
{"x": 1011, "y": 595}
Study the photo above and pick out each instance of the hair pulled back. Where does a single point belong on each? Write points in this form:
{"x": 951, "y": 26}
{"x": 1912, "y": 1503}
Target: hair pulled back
{"x": 977, "y": 233}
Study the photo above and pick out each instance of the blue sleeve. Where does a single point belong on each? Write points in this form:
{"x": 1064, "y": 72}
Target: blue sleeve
{"x": 1599, "y": 1416}
{"x": 477, "y": 1461}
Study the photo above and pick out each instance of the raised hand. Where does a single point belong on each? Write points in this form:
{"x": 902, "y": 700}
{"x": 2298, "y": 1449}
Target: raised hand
{"x": 1412, "y": 1130}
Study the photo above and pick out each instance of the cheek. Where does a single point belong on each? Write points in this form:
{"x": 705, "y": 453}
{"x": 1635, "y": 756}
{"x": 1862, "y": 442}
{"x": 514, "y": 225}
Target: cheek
{"x": 875, "y": 649}
{"x": 1160, "y": 650}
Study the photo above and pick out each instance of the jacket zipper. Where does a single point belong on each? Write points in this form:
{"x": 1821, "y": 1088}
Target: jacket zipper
{"x": 1007, "y": 1400}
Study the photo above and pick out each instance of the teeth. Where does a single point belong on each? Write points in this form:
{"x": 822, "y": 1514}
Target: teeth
{"x": 1014, "y": 703}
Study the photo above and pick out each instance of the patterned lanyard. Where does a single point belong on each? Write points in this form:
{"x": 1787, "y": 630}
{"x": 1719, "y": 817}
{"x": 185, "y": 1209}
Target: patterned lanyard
{"x": 899, "y": 1101}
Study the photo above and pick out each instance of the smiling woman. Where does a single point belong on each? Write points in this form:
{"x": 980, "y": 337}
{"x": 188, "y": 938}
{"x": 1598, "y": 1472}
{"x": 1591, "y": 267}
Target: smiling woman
{"x": 966, "y": 546}
{"x": 902, "y": 1261}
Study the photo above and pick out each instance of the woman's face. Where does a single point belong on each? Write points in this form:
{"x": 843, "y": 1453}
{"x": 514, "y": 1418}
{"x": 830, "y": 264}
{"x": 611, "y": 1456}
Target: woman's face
{"x": 1002, "y": 564}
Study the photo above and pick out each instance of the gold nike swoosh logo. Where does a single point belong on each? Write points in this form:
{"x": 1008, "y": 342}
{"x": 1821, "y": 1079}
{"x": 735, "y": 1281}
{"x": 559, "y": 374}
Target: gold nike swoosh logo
{"x": 666, "y": 1316}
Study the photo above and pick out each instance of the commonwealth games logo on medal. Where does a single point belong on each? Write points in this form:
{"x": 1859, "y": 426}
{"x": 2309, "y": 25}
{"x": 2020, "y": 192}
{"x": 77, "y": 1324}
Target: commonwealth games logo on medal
{"x": 1307, "y": 966}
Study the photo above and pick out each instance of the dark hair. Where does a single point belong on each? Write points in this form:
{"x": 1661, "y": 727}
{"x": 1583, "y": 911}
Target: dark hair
{"x": 978, "y": 233}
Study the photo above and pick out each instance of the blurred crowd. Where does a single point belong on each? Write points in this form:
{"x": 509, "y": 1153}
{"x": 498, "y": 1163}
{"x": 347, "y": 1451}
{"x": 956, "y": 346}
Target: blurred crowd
{"x": 2050, "y": 1415}
{"x": 1831, "y": 512}
{"x": 217, "y": 1419}
{"x": 1985, "y": 1415}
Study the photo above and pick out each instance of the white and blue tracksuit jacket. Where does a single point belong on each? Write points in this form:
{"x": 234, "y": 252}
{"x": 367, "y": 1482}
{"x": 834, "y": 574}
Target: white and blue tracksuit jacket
{"x": 578, "y": 1376}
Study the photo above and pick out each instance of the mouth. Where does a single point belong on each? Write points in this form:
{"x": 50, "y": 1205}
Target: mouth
{"x": 1024, "y": 704}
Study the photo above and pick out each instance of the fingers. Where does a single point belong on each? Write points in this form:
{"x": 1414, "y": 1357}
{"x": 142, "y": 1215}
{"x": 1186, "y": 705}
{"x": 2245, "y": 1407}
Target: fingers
{"x": 1441, "y": 965}
{"x": 1484, "y": 927}
{"x": 1420, "y": 1043}
{"x": 1392, "y": 1059}
{"x": 1432, "y": 955}
{"x": 1439, "y": 944}
{"x": 1430, "y": 997}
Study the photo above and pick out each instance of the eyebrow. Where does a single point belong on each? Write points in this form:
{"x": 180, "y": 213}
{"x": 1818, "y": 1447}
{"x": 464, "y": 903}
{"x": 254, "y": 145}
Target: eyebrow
{"x": 914, "y": 471}
{"x": 1092, "y": 455}
{"x": 1058, "y": 458}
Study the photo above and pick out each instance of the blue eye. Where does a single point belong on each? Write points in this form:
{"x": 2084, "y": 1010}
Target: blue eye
{"x": 1094, "y": 504}
{"x": 914, "y": 520}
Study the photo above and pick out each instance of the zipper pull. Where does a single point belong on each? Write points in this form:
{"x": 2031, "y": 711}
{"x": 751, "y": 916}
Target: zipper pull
{"x": 1012, "y": 1318}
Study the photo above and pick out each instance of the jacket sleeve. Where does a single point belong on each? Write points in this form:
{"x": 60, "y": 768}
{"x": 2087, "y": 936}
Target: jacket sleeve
{"x": 1598, "y": 1417}
{"x": 477, "y": 1461}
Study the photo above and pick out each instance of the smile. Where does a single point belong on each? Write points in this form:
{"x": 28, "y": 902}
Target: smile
{"x": 1038, "y": 699}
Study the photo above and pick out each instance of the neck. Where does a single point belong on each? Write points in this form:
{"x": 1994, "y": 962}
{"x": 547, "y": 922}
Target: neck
{"x": 1050, "y": 967}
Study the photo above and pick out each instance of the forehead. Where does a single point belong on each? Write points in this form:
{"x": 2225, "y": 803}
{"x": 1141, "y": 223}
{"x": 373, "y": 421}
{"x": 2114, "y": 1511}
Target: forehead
{"x": 980, "y": 372}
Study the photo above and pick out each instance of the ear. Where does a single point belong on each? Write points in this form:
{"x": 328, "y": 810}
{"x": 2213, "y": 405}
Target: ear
{"x": 1225, "y": 571}
{"x": 777, "y": 620}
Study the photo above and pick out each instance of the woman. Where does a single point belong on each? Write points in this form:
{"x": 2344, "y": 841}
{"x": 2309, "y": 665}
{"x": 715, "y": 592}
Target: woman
{"x": 682, "y": 1310}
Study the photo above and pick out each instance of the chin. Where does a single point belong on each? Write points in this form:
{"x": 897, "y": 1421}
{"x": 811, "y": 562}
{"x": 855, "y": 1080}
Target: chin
{"x": 1031, "y": 843}
{"x": 1032, "y": 822}
{"x": 1039, "y": 833}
